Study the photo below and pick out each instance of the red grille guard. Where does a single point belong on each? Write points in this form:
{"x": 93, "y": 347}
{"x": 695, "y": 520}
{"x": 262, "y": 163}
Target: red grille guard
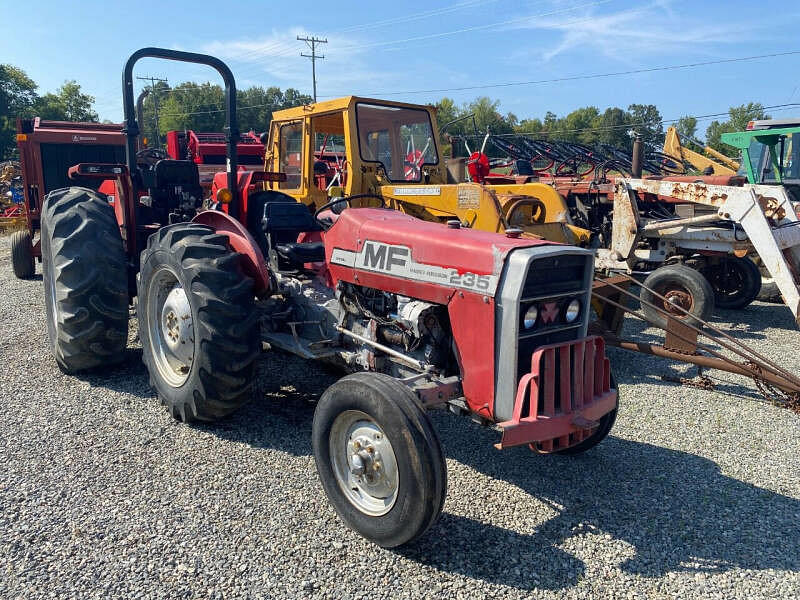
{"x": 570, "y": 409}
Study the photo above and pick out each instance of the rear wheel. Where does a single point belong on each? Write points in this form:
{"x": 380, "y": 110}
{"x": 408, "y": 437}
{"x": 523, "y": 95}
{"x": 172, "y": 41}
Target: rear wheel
{"x": 197, "y": 322}
{"x": 379, "y": 459}
{"x": 85, "y": 280}
{"x": 22, "y": 254}
{"x": 736, "y": 281}
{"x": 680, "y": 287}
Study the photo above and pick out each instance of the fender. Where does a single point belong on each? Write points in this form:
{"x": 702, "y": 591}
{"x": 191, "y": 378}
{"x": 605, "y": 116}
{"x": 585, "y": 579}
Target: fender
{"x": 241, "y": 241}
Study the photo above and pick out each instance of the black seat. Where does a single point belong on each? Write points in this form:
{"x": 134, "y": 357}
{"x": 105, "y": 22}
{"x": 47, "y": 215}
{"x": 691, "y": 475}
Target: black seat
{"x": 298, "y": 254}
{"x": 170, "y": 173}
{"x": 282, "y": 223}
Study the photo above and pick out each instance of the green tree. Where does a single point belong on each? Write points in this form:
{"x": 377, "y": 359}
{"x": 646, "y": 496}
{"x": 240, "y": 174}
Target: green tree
{"x": 256, "y": 105}
{"x": 687, "y": 130}
{"x": 68, "y": 103}
{"x": 188, "y": 105}
{"x": 646, "y": 121}
{"x": 17, "y": 95}
{"x": 612, "y": 128}
{"x": 738, "y": 117}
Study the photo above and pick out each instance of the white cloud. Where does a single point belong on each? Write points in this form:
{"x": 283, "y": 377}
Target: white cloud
{"x": 274, "y": 59}
{"x": 651, "y": 29}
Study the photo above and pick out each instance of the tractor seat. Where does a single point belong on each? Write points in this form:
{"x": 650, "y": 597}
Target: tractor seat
{"x": 283, "y": 222}
{"x": 299, "y": 254}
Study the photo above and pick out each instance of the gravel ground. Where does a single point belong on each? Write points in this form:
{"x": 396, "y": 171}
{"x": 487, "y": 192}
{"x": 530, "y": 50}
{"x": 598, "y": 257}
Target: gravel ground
{"x": 695, "y": 494}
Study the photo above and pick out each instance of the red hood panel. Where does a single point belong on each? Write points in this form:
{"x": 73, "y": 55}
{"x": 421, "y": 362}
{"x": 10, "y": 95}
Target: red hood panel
{"x": 465, "y": 250}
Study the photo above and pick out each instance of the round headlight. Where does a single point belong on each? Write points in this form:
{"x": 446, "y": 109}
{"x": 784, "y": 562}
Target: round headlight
{"x": 530, "y": 316}
{"x": 573, "y": 310}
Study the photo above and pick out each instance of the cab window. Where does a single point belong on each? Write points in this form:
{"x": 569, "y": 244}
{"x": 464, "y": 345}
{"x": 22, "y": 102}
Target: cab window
{"x": 399, "y": 138}
{"x": 290, "y": 154}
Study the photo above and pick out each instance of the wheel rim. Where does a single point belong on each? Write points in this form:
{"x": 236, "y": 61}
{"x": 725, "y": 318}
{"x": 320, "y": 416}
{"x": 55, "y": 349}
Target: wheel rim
{"x": 728, "y": 279}
{"x": 364, "y": 463}
{"x": 677, "y": 298}
{"x": 170, "y": 327}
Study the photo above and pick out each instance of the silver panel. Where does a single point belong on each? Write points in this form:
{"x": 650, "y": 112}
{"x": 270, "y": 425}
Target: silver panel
{"x": 507, "y": 300}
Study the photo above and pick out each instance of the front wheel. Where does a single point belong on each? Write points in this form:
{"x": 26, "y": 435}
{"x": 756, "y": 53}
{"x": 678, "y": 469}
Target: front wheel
{"x": 599, "y": 434}
{"x": 674, "y": 289}
{"x": 22, "y": 254}
{"x": 379, "y": 459}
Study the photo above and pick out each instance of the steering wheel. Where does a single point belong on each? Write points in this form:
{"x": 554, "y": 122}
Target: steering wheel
{"x": 346, "y": 199}
{"x": 412, "y": 163}
{"x": 150, "y": 156}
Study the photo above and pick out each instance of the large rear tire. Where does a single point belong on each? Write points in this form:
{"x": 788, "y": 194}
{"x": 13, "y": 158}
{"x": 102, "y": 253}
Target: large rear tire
{"x": 197, "y": 322}
{"x": 379, "y": 459}
{"x": 85, "y": 280}
{"x": 22, "y": 254}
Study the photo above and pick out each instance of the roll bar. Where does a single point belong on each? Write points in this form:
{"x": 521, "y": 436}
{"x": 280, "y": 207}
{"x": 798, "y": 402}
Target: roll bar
{"x": 131, "y": 126}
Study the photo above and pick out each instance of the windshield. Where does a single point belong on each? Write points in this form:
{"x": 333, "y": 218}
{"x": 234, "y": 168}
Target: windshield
{"x": 789, "y": 154}
{"x": 400, "y": 139}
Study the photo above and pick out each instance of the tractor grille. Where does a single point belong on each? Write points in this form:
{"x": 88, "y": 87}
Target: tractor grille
{"x": 548, "y": 277}
{"x": 551, "y": 283}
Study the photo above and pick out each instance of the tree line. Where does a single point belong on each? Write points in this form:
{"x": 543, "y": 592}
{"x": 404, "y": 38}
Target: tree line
{"x": 200, "y": 106}
{"x": 587, "y": 125}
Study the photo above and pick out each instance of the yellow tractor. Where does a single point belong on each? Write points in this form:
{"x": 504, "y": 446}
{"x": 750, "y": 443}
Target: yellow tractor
{"x": 376, "y": 151}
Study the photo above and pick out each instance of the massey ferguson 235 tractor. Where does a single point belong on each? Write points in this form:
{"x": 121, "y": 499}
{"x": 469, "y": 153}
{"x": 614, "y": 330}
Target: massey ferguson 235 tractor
{"x": 422, "y": 314}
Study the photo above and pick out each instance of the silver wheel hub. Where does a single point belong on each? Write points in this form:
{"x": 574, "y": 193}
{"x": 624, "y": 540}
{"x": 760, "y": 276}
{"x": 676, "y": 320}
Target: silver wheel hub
{"x": 176, "y": 325}
{"x": 364, "y": 463}
{"x": 170, "y": 327}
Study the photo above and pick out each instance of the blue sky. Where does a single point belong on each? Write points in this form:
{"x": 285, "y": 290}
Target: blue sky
{"x": 401, "y": 48}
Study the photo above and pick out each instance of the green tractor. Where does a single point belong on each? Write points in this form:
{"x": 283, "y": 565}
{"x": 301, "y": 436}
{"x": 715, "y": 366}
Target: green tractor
{"x": 769, "y": 154}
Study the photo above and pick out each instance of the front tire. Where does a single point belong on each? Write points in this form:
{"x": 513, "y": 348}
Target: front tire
{"x": 85, "y": 279}
{"x": 379, "y": 459}
{"x": 197, "y": 322}
{"x": 599, "y": 434}
{"x": 22, "y": 254}
{"x": 682, "y": 287}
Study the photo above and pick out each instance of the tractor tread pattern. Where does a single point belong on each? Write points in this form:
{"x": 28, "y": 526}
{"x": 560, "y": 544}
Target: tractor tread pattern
{"x": 22, "y": 254}
{"x": 225, "y": 323}
{"x": 85, "y": 260}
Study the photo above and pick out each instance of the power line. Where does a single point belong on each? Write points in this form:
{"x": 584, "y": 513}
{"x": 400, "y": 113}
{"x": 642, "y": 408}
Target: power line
{"x": 555, "y": 80}
{"x": 312, "y": 42}
{"x": 580, "y": 77}
{"x": 383, "y": 45}
{"x": 152, "y": 81}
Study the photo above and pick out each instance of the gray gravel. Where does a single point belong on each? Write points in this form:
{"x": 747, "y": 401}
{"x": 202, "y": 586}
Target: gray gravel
{"x": 696, "y": 494}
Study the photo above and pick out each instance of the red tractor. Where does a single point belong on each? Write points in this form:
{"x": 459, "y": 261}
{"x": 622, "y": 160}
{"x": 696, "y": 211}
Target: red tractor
{"x": 422, "y": 315}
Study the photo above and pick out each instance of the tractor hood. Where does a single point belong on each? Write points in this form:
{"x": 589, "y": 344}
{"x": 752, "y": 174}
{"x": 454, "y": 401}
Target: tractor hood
{"x": 366, "y": 243}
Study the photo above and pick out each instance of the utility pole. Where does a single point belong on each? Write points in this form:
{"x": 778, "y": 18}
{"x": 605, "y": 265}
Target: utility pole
{"x": 152, "y": 81}
{"x": 312, "y": 43}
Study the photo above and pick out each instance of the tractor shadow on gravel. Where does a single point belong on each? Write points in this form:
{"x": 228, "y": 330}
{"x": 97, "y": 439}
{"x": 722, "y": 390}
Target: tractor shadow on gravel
{"x": 672, "y": 511}
{"x": 677, "y": 512}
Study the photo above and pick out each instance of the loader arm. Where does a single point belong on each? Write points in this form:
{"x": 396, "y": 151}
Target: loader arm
{"x": 535, "y": 208}
{"x": 764, "y": 212}
{"x": 721, "y": 166}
